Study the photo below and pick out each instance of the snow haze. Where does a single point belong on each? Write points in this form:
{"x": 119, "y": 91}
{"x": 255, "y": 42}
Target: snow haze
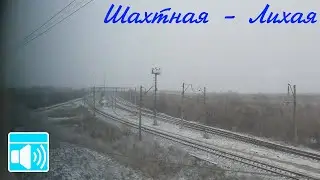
{"x": 221, "y": 55}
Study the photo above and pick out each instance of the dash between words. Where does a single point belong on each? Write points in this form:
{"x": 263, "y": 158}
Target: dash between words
{"x": 164, "y": 17}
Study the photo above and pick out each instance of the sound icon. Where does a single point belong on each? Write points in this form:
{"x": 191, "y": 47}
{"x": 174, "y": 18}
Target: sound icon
{"x": 28, "y": 152}
{"x": 39, "y": 155}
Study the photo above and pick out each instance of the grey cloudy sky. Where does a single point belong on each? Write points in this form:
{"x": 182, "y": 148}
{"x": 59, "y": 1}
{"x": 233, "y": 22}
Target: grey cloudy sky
{"x": 221, "y": 55}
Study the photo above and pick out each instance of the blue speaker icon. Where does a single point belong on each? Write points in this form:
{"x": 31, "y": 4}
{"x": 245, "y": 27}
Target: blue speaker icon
{"x": 28, "y": 152}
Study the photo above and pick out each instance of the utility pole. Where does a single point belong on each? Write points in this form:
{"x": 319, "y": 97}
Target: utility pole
{"x": 140, "y": 104}
{"x": 206, "y": 112}
{"x": 135, "y": 96}
{"x": 204, "y": 102}
{"x": 104, "y": 84}
{"x": 225, "y": 103}
{"x": 156, "y": 72}
{"x": 111, "y": 95}
{"x": 182, "y": 108}
{"x": 294, "y": 114}
{"x": 114, "y": 97}
{"x": 204, "y": 95}
{"x": 294, "y": 120}
{"x": 94, "y": 101}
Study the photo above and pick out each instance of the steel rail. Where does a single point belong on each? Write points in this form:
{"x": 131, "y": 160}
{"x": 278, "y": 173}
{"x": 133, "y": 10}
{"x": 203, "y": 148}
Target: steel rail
{"x": 57, "y": 105}
{"x": 231, "y": 135}
{"x": 220, "y": 153}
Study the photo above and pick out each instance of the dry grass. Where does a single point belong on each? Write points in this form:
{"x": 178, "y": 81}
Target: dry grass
{"x": 147, "y": 156}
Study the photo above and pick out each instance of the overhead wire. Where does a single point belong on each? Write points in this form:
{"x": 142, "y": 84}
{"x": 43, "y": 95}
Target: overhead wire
{"x": 24, "y": 44}
{"x": 55, "y": 15}
{"x": 48, "y": 29}
{"x": 193, "y": 91}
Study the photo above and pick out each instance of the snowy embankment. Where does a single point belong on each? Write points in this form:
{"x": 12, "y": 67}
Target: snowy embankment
{"x": 68, "y": 103}
{"x": 68, "y": 160}
{"x": 284, "y": 160}
{"x": 234, "y": 170}
{"x": 73, "y": 162}
{"x": 85, "y": 147}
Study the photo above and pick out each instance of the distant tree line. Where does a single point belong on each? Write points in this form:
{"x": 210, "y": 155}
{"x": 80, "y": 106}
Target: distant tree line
{"x": 37, "y": 97}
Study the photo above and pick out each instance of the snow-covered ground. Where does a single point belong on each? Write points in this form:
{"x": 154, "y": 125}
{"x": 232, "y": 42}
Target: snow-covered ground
{"x": 288, "y": 161}
{"x": 241, "y": 134}
{"x": 303, "y": 148}
{"x": 69, "y": 161}
{"x": 60, "y": 118}
{"x": 234, "y": 169}
{"x": 284, "y": 160}
{"x": 69, "y": 104}
{"x": 73, "y": 162}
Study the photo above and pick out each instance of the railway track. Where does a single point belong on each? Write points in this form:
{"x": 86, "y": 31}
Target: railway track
{"x": 193, "y": 143}
{"x": 57, "y": 105}
{"x": 223, "y": 133}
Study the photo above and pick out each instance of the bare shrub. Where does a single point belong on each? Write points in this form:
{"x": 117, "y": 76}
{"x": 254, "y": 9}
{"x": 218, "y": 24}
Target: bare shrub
{"x": 159, "y": 162}
{"x": 125, "y": 130}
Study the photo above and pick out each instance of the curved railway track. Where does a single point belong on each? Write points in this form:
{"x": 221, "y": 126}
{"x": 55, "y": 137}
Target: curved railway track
{"x": 223, "y": 133}
{"x": 57, "y": 105}
{"x": 209, "y": 149}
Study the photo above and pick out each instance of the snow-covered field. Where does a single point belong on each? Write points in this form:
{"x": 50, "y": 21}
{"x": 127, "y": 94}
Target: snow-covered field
{"x": 288, "y": 161}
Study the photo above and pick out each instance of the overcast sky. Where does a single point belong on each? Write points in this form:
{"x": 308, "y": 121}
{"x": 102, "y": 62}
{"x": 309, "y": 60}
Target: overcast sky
{"x": 221, "y": 55}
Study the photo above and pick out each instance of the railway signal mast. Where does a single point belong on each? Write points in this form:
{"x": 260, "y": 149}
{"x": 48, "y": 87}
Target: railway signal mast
{"x": 156, "y": 71}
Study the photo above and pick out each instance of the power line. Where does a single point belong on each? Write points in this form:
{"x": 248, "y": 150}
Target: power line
{"x": 24, "y": 44}
{"x": 49, "y": 20}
